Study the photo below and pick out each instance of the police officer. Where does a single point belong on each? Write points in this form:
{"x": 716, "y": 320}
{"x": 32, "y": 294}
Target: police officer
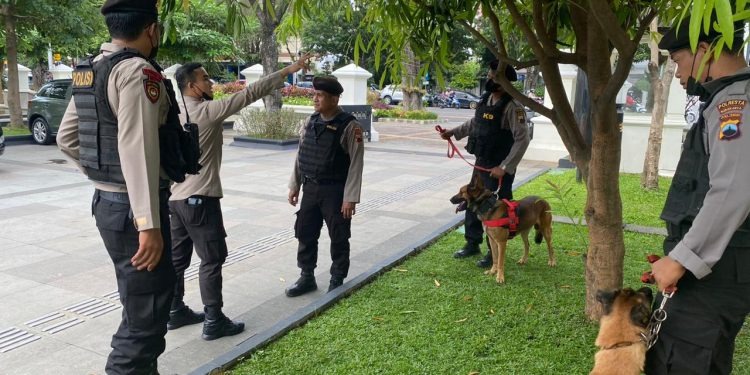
{"x": 329, "y": 169}
{"x": 706, "y": 212}
{"x": 498, "y": 137}
{"x": 194, "y": 204}
{"x": 111, "y": 131}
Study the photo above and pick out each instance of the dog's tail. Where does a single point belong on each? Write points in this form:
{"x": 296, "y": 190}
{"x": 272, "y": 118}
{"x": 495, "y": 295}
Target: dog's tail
{"x": 538, "y": 237}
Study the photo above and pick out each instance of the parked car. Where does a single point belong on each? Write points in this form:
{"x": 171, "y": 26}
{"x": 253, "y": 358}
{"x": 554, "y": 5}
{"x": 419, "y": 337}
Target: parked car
{"x": 46, "y": 110}
{"x": 305, "y": 84}
{"x": 391, "y": 95}
{"x": 2, "y": 142}
{"x": 467, "y": 100}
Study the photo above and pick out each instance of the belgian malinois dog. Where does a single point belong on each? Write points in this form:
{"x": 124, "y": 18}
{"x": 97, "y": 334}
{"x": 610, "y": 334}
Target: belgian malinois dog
{"x": 622, "y": 332}
{"x": 532, "y": 211}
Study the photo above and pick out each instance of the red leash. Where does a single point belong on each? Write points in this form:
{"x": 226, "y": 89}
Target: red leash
{"x": 453, "y": 150}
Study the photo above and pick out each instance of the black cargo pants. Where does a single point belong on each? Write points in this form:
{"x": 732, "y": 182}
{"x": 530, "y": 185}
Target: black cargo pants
{"x": 197, "y": 222}
{"x": 703, "y": 319}
{"x": 472, "y": 225}
{"x": 145, "y": 295}
{"x": 322, "y": 202}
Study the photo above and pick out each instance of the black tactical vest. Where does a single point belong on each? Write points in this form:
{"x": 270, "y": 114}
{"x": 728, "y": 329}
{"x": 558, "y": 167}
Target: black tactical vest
{"x": 488, "y": 141}
{"x": 321, "y": 156}
{"x": 691, "y": 183}
{"x": 97, "y": 125}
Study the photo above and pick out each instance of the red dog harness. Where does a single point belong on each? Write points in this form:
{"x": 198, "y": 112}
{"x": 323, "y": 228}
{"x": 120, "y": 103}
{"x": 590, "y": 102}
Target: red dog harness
{"x": 510, "y": 222}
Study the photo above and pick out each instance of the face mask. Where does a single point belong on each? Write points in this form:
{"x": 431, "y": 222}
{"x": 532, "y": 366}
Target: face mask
{"x": 204, "y": 95}
{"x": 491, "y": 86}
{"x": 696, "y": 89}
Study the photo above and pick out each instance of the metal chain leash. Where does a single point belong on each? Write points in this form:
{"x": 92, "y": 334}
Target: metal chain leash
{"x": 657, "y": 318}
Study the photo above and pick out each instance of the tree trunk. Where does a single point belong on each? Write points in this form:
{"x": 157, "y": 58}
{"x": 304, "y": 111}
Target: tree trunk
{"x": 269, "y": 52}
{"x": 603, "y": 213}
{"x": 2, "y": 86}
{"x": 38, "y": 75}
{"x": 11, "y": 47}
{"x": 410, "y": 82}
{"x": 660, "y": 92}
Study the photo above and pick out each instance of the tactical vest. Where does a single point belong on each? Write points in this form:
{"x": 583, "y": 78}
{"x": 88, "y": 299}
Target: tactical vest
{"x": 488, "y": 141}
{"x": 691, "y": 183}
{"x": 321, "y": 156}
{"x": 98, "y": 127}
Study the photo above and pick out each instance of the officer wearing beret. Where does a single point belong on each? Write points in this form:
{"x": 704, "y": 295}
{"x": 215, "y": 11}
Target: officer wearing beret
{"x": 708, "y": 243}
{"x": 111, "y": 130}
{"x": 498, "y": 137}
{"x": 329, "y": 170}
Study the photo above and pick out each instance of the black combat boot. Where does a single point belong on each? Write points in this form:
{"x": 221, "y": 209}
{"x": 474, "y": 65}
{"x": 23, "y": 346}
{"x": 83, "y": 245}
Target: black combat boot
{"x": 468, "y": 250}
{"x": 336, "y": 281}
{"x": 181, "y": 315}
{"x": 217, "y": 325}
{"x": 485, "y": 262}
{"x": 305, "y": 284}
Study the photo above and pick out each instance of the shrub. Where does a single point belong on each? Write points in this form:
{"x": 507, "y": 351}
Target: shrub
{"x": 297, "y": 92}
{"x": 259, "y": 123}
{"x": 373, "y": 97}
{"x": 297, "y": 100}
{"x": 380, "y": 105}
{"x": 223, "y": 90}
{"x": 400, "y": 113}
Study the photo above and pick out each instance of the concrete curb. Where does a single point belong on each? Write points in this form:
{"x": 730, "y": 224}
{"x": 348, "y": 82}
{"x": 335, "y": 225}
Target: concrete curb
{"x": 238, "y": 353}
{"x": 408, "y": 121}
{"x": 14, "y": 140}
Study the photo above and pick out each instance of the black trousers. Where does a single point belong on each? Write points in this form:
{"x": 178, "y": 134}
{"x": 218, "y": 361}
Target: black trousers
{"x": 145, "y": 295}
{"x": 472, "y": 225}
{"x": 322, "y": 203}
{"x": 198, "y": 223}
{"x": 703, "y": 319}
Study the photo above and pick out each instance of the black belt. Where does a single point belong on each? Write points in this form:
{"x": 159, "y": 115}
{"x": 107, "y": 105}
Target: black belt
{"x": 322, "y": 181}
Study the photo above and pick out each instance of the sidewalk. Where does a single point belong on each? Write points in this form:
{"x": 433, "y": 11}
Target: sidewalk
{"x": 57, "y": 285}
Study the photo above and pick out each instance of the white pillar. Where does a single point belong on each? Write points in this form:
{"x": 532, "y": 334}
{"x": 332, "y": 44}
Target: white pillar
{"x": 170, "y": 73}
{"x": 354, "y": 81}
{"x": 547, "y": 144}
{"x": 23, "y": 86}
{"x": 252, "y": 74}
{"x": 61, "y": 71}
{"x": 676, "y": 102}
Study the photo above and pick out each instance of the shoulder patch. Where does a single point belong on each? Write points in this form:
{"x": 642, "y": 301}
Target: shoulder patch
{"x": 521, "y": 115}
{"x": 730, "y": 118}
{"x": 153, "y": 90}
{"x": 358, "y": 134}
{"x": 152, "y": 75}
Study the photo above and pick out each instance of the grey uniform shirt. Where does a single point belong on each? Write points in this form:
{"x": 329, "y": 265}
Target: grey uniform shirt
{"x": 209, "y": 115}
{"x": 352, "y": 143}
{"x": 514, "y": 119}
{"x": 138, "y": 121}
{"x": 727, "y": 203}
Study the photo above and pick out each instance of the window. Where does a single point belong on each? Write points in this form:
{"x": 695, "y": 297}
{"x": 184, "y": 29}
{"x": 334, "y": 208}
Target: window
{"x": 58, "y": 91}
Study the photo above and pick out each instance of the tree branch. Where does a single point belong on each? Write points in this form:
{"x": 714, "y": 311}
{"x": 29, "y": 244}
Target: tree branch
{"x": 541, "y": 29}
{"x": 609, "y": 24}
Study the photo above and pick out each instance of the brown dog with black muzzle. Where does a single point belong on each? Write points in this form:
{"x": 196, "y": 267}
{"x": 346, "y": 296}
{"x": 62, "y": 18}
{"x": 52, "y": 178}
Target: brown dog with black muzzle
{"x": 531, "y": 211}
{"x": 622, "y": 332}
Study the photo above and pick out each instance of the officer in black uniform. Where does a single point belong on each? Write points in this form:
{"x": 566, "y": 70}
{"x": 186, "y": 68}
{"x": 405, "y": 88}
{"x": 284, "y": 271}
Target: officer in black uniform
{"x": 706, "y": 212}
{"x": 498, "y": 137}
{"x": 329, "y": 168}
{"x": 117, "y": 129}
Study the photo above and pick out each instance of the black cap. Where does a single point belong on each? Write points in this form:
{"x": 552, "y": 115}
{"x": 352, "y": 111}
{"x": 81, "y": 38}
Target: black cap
{"x": 677, "y": 37}
{"x": 328, "y": 84}
{"x": 510, "y": 73}
{"x": 130, "y": 6}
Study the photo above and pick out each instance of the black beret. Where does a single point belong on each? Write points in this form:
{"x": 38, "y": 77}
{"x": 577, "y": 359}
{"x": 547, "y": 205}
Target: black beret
{"x": 130, "y": 6}
{"x": 677, "y": 37}
{"x": 328, "y": 84}
{"x": 510, "y": 73}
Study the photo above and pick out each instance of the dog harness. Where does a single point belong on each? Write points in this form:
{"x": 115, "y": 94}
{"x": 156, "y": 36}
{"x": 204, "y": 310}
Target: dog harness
{"x": 510, "y": 222}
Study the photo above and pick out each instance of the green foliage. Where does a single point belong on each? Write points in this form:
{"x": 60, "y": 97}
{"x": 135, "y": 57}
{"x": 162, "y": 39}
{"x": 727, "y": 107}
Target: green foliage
{"x": 400, "y": 113}
{"x": 296, "y": 100}
{"x": 277, "y": 124}
{"x": 639, "y": 206}
{"x": 223, "y": 90}
{"x": 562, "y": 195}
{"x": 466, "y": 75}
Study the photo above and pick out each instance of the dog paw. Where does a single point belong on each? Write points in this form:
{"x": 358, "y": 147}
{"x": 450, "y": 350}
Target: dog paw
{"x": 522, "y": 261}
{"x": 551, "y": 263}
{"x": 500, "y": 280}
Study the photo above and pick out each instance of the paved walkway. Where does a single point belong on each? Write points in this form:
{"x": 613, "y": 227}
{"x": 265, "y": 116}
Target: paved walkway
{"x": 57, "y": 286}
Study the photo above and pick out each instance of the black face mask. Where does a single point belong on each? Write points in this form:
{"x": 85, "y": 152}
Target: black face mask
{"x": 491, "y": 86}
{"x": 696, "y": 89}
{"x": 204, "y": 95}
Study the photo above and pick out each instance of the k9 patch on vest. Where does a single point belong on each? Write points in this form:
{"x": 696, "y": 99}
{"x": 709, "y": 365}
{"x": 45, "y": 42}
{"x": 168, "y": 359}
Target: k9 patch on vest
{"x": 730, "y": 118}
{"x": 83, "y": 78}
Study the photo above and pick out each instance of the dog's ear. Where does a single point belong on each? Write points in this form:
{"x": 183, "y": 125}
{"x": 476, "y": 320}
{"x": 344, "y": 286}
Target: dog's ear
{"x": 476, "y": 185}
{"x": 647, "y": 293}
{"x": 640, "y": 314}
{"x": 607, "y": 298}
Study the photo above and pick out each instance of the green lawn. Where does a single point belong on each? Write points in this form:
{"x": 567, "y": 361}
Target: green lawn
{"x": 15, "y": 131}
{"x": 639, "y": 206}
{"x": 437, "y": 315}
